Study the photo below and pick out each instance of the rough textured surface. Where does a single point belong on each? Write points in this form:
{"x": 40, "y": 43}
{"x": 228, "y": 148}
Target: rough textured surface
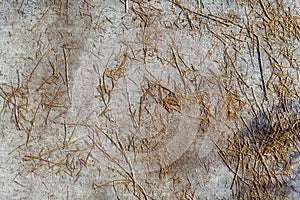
{"x": 128, "y": 99}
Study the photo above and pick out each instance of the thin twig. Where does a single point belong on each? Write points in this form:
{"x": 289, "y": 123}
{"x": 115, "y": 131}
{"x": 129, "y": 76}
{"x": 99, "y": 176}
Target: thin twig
{"x": 261, "y": 68}
{"x": 66, "y": 57}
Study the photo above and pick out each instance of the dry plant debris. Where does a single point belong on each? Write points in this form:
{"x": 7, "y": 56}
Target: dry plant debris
{"x": 263, "y": 109}
{"x": 265, "y": 137}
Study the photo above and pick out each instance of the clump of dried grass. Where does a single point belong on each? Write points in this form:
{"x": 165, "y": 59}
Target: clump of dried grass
{"x": 265, "y": 138}
{"x": 260, "y": 154}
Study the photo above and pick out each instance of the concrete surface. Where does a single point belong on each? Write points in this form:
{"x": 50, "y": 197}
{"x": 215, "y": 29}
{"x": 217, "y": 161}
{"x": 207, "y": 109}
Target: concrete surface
{"x": 108, "y": 103}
